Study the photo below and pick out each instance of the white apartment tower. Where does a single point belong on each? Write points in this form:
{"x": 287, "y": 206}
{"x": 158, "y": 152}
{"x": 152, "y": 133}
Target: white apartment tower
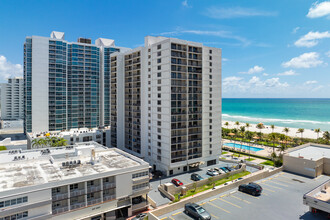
{"x": 166, "y": 103}
{"x": 12, "y": 99}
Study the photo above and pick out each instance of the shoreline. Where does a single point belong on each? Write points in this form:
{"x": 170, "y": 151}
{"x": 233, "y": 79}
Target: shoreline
{"x": 308, "y": 133}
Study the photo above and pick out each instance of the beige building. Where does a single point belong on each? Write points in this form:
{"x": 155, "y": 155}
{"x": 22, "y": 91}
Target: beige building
{"x": 309, "y": 160}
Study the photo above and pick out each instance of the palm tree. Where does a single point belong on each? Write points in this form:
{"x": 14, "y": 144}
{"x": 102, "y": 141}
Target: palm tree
{"x": 35, "y": 143}
{"x": 301, "y": 131}
{"x": 286, "y": 130}
{"x": 61, "y": 142}
{"x": 226, "y": 124}
{"x": 317, "y": 131}
{"x": 272, "y": 127}
{"x": 326, "y": 136}
{"x": 282, "y": 149}
{"x": 247, "y": 125}
{"x": 248, "y": 135}
{"x": 260, "y": 126}
{"x": 272, "y": 137}
{"x": 241, "y": 132}
{"x": 237, "y": 124}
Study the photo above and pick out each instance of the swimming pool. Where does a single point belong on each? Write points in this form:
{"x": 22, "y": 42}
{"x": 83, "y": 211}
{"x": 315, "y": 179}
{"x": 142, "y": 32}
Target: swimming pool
{"x": 244, "y": 147}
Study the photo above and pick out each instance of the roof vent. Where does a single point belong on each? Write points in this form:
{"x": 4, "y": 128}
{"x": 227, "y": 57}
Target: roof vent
{"x": 84, "y": 40}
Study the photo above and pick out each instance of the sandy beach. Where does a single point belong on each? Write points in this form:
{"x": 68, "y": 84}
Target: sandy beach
{"x": 308, "y": 133}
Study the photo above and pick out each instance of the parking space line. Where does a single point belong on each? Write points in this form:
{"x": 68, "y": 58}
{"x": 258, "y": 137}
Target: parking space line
{"x": 281, "y": 184}
{"x": 202, "y": 203}
{"x": 230, "y": 203}
{"x": 273, "y": 186}
{"x": 241, "y": 199}
{"x": 249, "y": 195}
{"x": 269, "y": 189}
{"x": 163, "y": 218}
{"x": 284, "y": 181}
{"x": 213, "y": 199}
{"x": 219, "y": 207}
{"x": 214, "y": 216}
{"x": 171, "y": 218}
{"x": 265, "y": 194}
{"x": 176, "y": 213}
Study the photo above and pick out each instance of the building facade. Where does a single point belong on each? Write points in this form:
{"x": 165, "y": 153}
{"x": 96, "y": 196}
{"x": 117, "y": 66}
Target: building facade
{"x": 84, "y": 181}
{"x": 166, "y": 103}
{"x": 66, "y": 83}
{"x": 12, "y": 99}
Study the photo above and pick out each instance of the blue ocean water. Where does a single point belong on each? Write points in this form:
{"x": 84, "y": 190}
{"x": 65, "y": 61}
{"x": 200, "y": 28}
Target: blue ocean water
{"x": 296, "y": 113}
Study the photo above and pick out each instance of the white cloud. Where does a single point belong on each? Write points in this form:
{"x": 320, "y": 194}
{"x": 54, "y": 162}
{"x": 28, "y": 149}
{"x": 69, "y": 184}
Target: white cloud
{"x": 8, "y": 69}
{"x": 328, "y": 53}
{"x": 317, "y": 88}
{"x": 255, "y": 69}
{"x": 265, "y": 74}
{"x": 305, "y": 60}
{"x": 235, "y": 12}
{"x": 225, "y": 59}
{"x": 319, "y": 10}
{"x": 185, "y": 4}
{"x": 295, "y": 30}
{"x": 288, "y": 73}
{"x": 310, "y": 82}
{"x": 255, "y": 85}
{"x": 221, "y": 34}
{"x": 311, "y": 39}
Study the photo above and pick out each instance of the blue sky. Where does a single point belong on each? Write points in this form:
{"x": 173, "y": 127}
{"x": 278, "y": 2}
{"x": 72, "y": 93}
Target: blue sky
{"x": 270, "y": 48}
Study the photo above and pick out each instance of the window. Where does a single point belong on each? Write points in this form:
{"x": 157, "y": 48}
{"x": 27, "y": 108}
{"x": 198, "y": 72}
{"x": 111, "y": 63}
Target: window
{"x": 159, "y": 158}
{"x": 210, "y": 51}
{"x": 210, "y": 57}
{"x": 210, "y": 95}
{"x": 159, "y": 123}
{"x": 149, "y": 50}
{"x": 210, "y": 76}
{"x": 159, "y": 88}
{"x": 159, "y": 46}
{"x": 16, "y": 216}
{"x": 159, "y": 109}
{"x": 159, "y": 67}
{"x": 210, "y": 70}
{"x": 210, "y": 126}
{"x": 210, "y": 83}
{"x": 210, "y": 120}
{"x": 137, "y": 175}
{"x": 210, "y": 89}
{"x": 149, "y": 76}
{"x": 210, "y": 133}
{"x": 171, "y": 172}
{"x": 159, "y": 137}
{"x": 139, "y": 186}
{"x": 159, "y": 74}
{"x": 159, "y": 102}
{"x": 210, "y": 139}
{"x": 13, "y": 201}
{"x": 159, "y": 116}
{"x": 149, "y": 69}
{"x": 159, "y": 130}
{"x": 159, "y": 81}
{"x": 159, "y": 53}
{"x": 159, "y": 60}
{"x": 210, "y": 152}
{"x": 159, "y": 95}
{"x": 159, "y": 144}
{"x": 210, "y": 63}
{"x": 210, "y": 102}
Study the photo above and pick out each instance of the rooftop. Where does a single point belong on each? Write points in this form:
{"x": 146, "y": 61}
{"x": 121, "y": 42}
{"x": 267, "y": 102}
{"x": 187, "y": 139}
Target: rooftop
{"x": 66, "y": 133}
{"x": 22, "y": 168}
{"x": 312, "y": 152}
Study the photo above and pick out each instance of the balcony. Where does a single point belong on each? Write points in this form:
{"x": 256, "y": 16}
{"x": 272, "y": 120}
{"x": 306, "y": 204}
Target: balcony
{"x": 77, "y": 205}
{"x": 94, "y": 201}
{"x": 77, "y": 192}
{"x": 109, "y": 185}
{"x": 109, "y": 197}
{"x": 93, "y": 188}
{"x": 59, "y": 196}
{"x": 59, "y": 210}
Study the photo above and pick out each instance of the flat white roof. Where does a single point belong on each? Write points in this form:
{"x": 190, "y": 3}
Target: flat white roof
{"x": 42, "y": 166}
{"x": 311, "y": 152}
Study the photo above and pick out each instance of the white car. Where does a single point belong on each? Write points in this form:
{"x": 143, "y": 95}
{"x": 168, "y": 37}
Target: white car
{"x": 212, "y": 172}
{"x": 220, "y": 171}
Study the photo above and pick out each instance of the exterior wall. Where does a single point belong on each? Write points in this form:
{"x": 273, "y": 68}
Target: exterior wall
{"x": 12, "y": 99}
{"x": 300, "y": 166}
{"x": 326, "y": 166}
{"x": 40, "y": 56}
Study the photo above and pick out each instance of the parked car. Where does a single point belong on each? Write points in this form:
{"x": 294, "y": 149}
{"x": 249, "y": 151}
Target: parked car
{"x": 140, "y": 216}
{"x": 224, "y": 169}
{"x": 177, "y": 182}
{"x": 230, "y": 168}
{"x": 196, "y": 177}
{"x": 212, "y": 172}
{"x": 251, "y": 188}
{"x": 196, "y": 211}
{"x": 220, "y": 171}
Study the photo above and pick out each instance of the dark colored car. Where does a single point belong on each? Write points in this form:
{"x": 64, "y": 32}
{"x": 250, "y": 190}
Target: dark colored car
{"x": 140, "y": 216}
{"x": 177, "y": 182}
{"x": 251, "y": 188}
{"x": 196, "y": 177}
{"x": 196, "y": 211}
{"x": 224, "y": 169}
{"x": 230, "y": 168}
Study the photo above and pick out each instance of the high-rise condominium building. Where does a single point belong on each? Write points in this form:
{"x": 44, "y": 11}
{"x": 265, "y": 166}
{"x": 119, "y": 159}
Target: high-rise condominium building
{"x": 166, "y": 103}
{"x": 84, "y": 181}
{"x": 12, "y": 99}
{"x": 66, "y": 83}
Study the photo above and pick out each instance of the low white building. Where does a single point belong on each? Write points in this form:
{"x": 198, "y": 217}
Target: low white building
{"x": 84, "y": 181}
{"x": 12, "y": 99}
{"x": 77, "y": 135}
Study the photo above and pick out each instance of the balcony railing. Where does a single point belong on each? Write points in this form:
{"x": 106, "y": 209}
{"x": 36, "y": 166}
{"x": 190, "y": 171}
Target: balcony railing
{"x": 94, "y": 201}
{"x": 77, "y": 192}
{"x": 60, "y": 196}
{"x": 60, "y": 210}
{"x": 77, "y": 205}
{"x": 109, "y": 197}
{"x": 94, "y": 189}
{"x": 109, "y": 185}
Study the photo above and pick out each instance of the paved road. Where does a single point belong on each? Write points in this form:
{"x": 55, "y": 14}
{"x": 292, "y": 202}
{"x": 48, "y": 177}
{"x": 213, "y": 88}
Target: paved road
{"x": 185, "y": 178}
{"x": 281, "y": 199}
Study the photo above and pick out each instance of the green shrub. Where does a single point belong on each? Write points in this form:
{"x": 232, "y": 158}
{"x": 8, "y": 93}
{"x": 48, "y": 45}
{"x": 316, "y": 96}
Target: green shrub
{"x": 3, "y": 148}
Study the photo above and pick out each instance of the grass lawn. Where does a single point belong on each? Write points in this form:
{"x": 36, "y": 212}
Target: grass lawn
{"x": 224, "y": 152}
{"x": 250, "y": 159}
{"x": 3, "y": 148}
{"x": 236, "y": 155}
{"x": 210, "y": 185}
{"x": 268, "y": 162}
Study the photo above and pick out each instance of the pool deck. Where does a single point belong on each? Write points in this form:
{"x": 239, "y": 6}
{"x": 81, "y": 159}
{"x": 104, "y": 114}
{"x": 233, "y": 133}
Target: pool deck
{"x": 266, "y": 152}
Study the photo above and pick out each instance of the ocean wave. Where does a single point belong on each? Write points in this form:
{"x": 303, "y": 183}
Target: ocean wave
{"x": 265, "y": 120}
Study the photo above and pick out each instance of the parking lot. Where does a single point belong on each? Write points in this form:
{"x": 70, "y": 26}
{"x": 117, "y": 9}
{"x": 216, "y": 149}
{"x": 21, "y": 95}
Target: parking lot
{"x": 185, "y": 179}
{"x": 281, "y": 199}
